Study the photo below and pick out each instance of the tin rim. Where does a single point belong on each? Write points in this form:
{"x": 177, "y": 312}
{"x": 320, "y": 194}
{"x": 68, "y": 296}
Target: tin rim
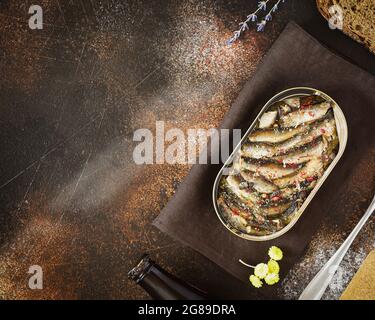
{"x": 342, "y": 132}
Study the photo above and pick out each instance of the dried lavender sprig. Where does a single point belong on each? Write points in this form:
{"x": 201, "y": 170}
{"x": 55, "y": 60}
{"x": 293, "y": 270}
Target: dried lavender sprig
{"x": 253, "y": 17}
{"x": 262, "y": 5}
{"x": 261, "y": 25}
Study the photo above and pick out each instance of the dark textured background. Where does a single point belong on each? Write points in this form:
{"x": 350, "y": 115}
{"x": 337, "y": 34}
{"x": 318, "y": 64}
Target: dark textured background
{"x": 71, "y": 95}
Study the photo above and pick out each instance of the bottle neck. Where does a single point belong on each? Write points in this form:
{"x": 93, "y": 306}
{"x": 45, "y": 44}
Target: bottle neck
{"x": 160, "y": 284}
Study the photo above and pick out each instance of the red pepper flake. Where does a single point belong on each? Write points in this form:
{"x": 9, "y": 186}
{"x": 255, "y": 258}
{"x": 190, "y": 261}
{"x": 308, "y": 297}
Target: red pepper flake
{"x": 235, "y": 212}
{"x": 311, "y": 114}
{"x": 293, "y": 165}
{"x": 322, "y": 130}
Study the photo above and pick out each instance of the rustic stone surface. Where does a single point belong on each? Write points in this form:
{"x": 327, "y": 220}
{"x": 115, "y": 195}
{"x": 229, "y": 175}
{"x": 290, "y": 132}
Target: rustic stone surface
{"x": 71, "y": 95}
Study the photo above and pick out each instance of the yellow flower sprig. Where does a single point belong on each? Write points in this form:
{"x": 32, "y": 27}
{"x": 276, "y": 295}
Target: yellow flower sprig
{"x": 268, "y": 272}
{"x": 275, "y": 253}
{"x": 255, "y": 281}
{"x": 273, "y": 266}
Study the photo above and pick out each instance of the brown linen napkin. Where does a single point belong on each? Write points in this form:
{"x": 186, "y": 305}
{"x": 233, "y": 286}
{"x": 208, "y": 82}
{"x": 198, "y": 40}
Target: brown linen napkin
{"x": 295, "y": 59}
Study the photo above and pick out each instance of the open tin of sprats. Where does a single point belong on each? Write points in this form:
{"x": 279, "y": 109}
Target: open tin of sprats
{"x": 280, "y": 163}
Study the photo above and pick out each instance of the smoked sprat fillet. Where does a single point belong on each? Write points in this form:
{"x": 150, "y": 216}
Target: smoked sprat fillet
{"x": 278, "y": 165}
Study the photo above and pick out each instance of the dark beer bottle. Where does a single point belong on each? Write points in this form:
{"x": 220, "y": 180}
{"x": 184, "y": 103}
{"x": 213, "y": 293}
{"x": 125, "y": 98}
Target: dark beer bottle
{"x": 160, "y": 284}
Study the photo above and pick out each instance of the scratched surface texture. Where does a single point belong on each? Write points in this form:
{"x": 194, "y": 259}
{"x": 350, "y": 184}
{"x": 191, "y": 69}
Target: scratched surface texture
{"x": 71, "y": 95}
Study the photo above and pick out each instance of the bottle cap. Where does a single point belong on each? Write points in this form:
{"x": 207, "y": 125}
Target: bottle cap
{"x": 140, "y": 270}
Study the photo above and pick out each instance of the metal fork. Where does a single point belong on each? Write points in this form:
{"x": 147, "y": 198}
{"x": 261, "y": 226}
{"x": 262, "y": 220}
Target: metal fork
{"x": 320, "y": 282}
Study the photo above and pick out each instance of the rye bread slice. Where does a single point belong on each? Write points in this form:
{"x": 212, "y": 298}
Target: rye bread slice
{"x": 359, "y": 19}
{"x": 362, "y": 286}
